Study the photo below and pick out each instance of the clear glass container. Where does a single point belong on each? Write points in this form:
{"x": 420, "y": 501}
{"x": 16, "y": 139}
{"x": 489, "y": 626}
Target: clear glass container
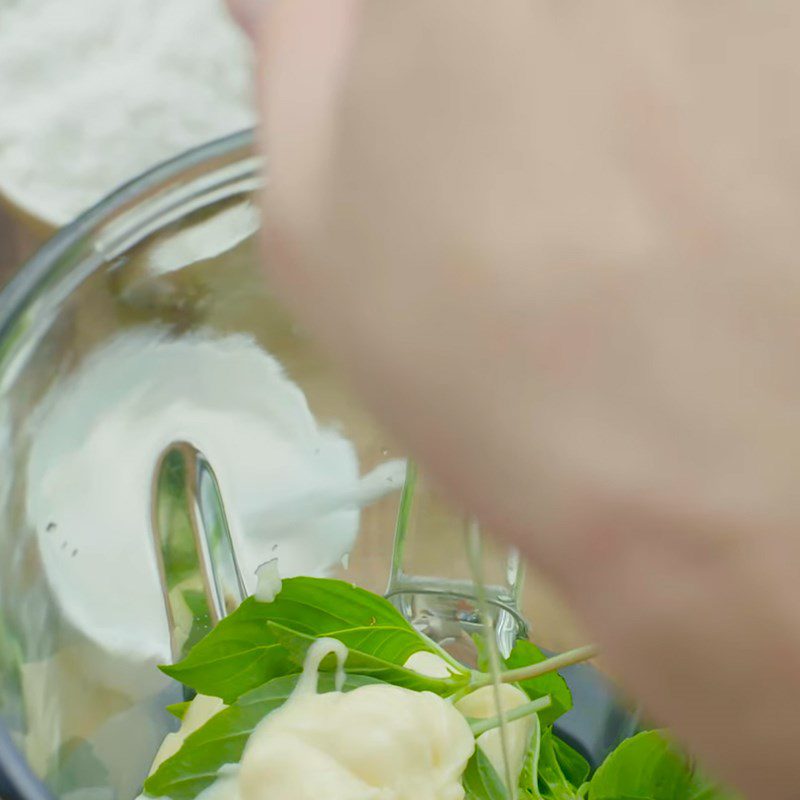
{"x": 165, "y": 428}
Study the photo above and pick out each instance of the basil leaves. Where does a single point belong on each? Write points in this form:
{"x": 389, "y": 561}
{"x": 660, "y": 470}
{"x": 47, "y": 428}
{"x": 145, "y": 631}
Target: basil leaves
{"x": 481, "y": 781}
{"x": 526, "y": 654}
{"x": 646, "y": 766}
{"x": 252, "y": 660}
{"x": 248, "y": 648}
{"x": 649, "y": 766}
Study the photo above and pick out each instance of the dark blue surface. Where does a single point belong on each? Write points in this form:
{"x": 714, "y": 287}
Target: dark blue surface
{"x": 17, "y": 782}
{"x": 598, "y": 722}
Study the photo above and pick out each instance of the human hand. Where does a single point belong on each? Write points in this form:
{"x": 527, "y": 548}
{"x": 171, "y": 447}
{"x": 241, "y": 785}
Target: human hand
{"x": 554, "y": 245}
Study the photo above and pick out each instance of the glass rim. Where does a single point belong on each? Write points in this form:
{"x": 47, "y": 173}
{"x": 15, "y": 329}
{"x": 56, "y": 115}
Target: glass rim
{"x": 17, "y": 779}
{"x": 24, "y": 283}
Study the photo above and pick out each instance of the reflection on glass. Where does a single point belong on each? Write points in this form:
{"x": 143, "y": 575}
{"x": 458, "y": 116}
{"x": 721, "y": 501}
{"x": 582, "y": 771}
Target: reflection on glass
{"x": 432, "y": 582}
{"x": 201, "y": 580}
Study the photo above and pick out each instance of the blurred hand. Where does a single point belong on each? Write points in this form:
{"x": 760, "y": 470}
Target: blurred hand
{"x": 555, "y": 245}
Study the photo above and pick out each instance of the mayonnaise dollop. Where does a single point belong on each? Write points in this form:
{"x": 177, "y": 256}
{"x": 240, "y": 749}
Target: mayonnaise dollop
{"x": 480, "y": 704}
{"x": 377, "y": 742}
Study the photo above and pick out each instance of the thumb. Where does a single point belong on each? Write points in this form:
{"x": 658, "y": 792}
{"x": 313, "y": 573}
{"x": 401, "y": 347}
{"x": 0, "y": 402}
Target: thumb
{"x": 302, "y": 51}
{"x": 247, "y": 14}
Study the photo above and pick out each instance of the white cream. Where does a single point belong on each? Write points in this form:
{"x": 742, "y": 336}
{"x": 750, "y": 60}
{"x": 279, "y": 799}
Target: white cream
{"x": 200, "y": 711}
{"x": 377, "y": 741}
{"x": 480, "y": 704}
{"x": 268, "y": 581}
{"x": 307, "y": 683}
{"x": 428, "y": 664}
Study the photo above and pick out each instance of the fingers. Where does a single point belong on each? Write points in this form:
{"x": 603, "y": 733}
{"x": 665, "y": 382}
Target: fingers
{"x": 247, "y": 13}
{"x": 302, "y": 48}
{"x": 488, "y": 213}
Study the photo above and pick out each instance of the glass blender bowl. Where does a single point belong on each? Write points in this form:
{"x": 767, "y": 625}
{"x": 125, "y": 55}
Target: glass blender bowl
{"x": 166, "y": 428}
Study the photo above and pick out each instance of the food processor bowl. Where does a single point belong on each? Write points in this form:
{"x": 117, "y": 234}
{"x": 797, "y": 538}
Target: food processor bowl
{"x": 165, "y": 429}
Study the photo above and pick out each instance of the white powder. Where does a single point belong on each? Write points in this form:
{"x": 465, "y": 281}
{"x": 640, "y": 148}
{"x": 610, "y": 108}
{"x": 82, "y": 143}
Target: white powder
{"x": 93, "y": 92}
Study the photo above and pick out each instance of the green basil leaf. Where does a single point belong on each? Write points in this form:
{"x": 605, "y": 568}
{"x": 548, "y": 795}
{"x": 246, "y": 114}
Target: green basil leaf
{"x": 481, "y": 652}
{"x": 703, "y": 788}
{"x": 223, "y": 738}
{"x": 178, "y": 710}
{"x": 645, "y": 767}
{"x": 526, "y": 653}
{"x": 529, "y": 776}
{"x": 481, "y": 781}
{"x": 362, "y": 659}
{"x": 241, "y": 653}
{"x": 574, "y": 766}
{"x": 386, "y": 642}
{"x": 713, "y": 793}
{"x": 553, "y": 783}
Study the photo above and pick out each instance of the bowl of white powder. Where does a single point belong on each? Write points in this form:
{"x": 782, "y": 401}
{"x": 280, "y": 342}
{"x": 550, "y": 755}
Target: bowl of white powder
{"x": 95, "y": 92}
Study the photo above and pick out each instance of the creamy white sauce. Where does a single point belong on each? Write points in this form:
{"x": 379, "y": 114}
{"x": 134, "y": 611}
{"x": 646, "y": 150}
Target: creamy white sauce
{"x": 480, "y": 704}
{"x": 307, "y": 683}
{"x": 268, "y": 581}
